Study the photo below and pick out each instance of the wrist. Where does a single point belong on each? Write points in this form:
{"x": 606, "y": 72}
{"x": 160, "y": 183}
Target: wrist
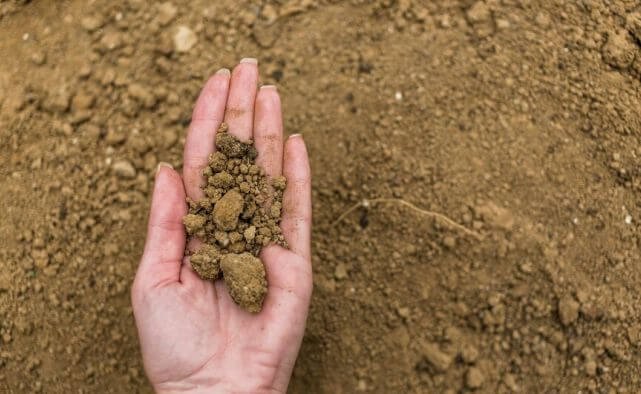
{"x": 187, "y": 388}
{"x": 182, "y": 388}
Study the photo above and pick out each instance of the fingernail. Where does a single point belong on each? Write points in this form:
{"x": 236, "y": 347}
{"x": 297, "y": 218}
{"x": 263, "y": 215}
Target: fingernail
{"x": 163, "y": 164}
{"x": 250, "y": 60}
{"x": 269, "y": 87}
{"x": 297, "y": 135}
{"x": 224, "y": 71}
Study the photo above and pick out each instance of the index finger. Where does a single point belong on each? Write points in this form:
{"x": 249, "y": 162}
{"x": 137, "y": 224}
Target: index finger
{"x": 207, "y": 116}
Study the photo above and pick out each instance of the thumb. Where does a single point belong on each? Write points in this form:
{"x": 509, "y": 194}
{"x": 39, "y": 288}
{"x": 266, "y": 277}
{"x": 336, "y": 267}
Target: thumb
{"x": 165, "y": 244}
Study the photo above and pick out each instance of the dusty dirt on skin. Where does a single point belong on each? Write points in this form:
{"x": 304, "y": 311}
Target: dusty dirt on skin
{"x": 520, "y": 120}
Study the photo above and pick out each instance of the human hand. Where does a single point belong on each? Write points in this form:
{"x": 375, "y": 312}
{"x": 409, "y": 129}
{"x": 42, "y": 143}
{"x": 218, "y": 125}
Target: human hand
{"x": 194, "y": 338}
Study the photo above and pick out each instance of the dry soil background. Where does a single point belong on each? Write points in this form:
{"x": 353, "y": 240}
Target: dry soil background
{"x": 520, "y": 119}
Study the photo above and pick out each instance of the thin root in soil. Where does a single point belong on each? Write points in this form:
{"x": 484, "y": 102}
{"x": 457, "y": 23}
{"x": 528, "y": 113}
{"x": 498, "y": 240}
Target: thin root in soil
{"x": 435, "y": 215}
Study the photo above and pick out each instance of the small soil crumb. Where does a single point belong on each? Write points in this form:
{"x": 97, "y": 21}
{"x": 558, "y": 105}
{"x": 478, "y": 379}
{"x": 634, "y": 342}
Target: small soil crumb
{"x": 195, "y": 224}
{"x": 184, "y": 39}
{"x": 124, "y": 169}
{"x": 619, "y": 50}
{"x": 206, "y": 262}
{"x": 439, "y": 360}
{"x": 474, "y": 378}
{"x": 227, "y": 210}
{"x": 230, "y": 146}
{"x": 239, "y": 214}
{"x": 245, "y": 278}
{"x": 568, "y": 310}
{"x": 479, "y": 12}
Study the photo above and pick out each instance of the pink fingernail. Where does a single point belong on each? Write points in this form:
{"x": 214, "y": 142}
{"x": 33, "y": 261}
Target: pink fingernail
{"x": 250, "y": 60}
{"x": 272, "y": 87}
{"x": 163, "y": 164}
{"x": 297, "y": 135}
{"x": 224, "y": 71}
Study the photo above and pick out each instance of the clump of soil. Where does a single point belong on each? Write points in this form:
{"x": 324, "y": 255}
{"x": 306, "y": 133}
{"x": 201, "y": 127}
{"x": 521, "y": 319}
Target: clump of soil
{"x": 239, "y": 214}
{"x": 245, "y": 279}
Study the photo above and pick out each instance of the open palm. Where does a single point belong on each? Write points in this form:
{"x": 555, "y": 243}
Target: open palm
{"x": 194, "y": 338}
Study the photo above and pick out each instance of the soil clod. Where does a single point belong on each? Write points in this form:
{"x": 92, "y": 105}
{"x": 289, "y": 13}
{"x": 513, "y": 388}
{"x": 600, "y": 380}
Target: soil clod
{"x": 239, "y": 214}
{"x": 245, "y": 278}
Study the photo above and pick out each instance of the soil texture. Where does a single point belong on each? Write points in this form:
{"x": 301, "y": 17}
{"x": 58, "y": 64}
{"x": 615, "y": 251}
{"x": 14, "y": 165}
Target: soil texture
{"x": 518, "y": 122}
{"x": 240, "y": 213}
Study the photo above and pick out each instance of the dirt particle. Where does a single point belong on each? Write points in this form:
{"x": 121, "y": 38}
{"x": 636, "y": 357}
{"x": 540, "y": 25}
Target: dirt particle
{"x": 404, "y": 312}
{"x": 169, "y": 138}
{"x": 619, "y": 50}
{"x": 39, "y": 58}
{"x": 91, "y": 23}
{"x": 590, "y": 367}
{"x": 449, "y": 242}
{"x": 479, "y": 12}
{"x": 57, "y": 101}
{"x": 340, "y": 272}
{"x": 245, "y": 279}
{"x": 194, "y": 224}
{"x": 111, "y": 40}
{"x": 5, "y": 281}
{"x": 82, "y": 101}
{"x": 495, "y": 215}
{"x": 230, "y": 146}
{"x": 438, "y": 359}
{"x": 206, "y": 262}
{"x": 250, "y": 233}
{"x": 227, "y": 210}
{"x": 141, "y": 94}
{"x": 184, "y": 39}
{"x": 469, "y": 354}
{"x": 222, "y": 180}
{"x": 568, "y": 310}
{"x": 124, "y": 169}
{"x": 166, "y": 13}
{"x": 217, "y": 161}
{"x": 279, "y": 182}
{"x": 474, "y": 378}
{"x": 115, "y": 137}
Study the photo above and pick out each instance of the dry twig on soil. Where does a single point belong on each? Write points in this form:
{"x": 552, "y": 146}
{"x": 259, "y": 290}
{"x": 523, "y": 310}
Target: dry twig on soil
{"x": 435, "y": 215}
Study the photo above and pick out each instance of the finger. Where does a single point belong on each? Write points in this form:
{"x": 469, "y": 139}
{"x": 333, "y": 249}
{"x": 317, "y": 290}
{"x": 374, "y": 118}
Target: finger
{"x": 239, "y": 114}
{"x": 165, "y": 244}
{"x": 206, "y": 118}
{"x": 268, "y": 130}
{"x": 297, "y": 199}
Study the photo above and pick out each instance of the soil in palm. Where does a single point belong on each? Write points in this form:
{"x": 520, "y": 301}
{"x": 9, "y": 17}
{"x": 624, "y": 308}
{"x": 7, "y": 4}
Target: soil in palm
{"x": 238, "y": 215}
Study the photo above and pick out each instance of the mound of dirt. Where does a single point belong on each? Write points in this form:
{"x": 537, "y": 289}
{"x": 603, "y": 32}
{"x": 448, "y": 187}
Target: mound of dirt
{"x": 239, "y": 214}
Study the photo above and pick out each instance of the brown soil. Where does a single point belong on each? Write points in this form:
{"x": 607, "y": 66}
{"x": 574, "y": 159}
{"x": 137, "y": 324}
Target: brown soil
{"x": 240, "y": 212}
{"x": 245, "y": 278}
{"x": 519, "y": 120}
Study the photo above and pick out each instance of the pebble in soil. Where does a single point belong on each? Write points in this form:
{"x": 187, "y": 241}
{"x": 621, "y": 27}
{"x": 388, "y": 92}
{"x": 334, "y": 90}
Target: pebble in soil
{"x": 239, "y": 214}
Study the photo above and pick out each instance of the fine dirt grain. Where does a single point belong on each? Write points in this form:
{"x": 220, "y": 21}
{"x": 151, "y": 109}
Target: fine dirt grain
{"x": 518, "y": 120}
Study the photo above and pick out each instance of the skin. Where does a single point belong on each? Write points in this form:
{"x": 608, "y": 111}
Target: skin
{"x": 193, "y": 337}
